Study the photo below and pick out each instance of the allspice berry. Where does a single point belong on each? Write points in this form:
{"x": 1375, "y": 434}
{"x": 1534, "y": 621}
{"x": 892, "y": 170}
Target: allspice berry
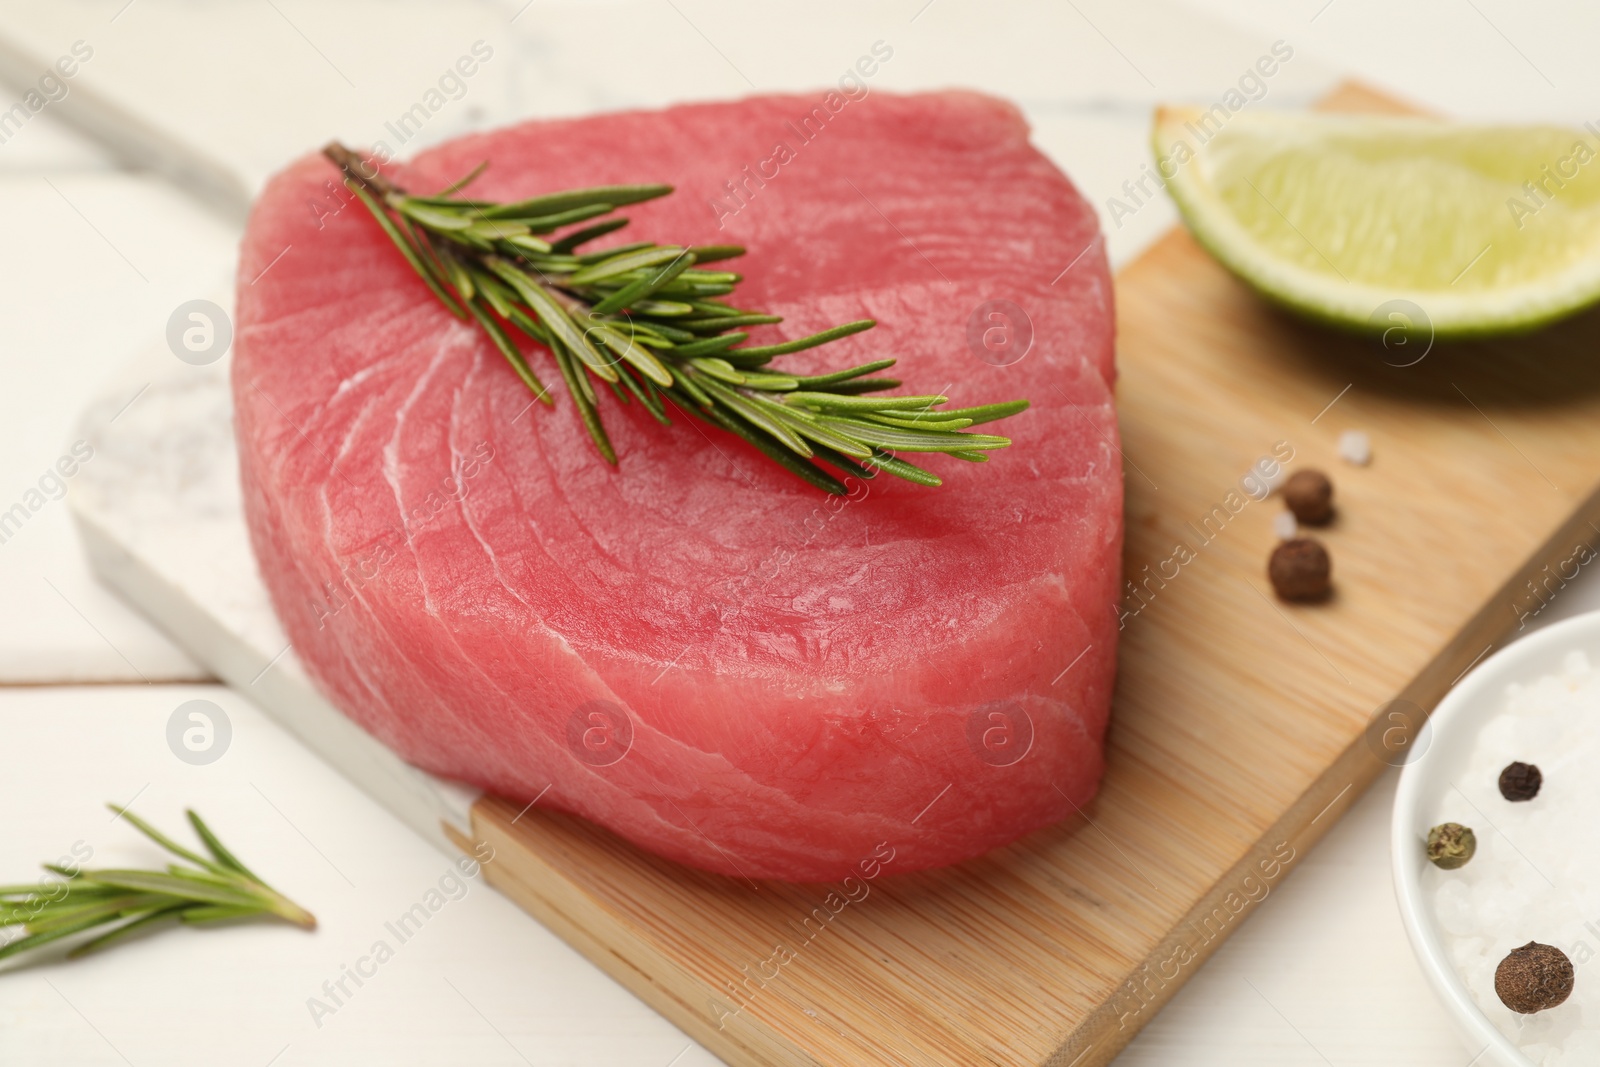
{"x": 1533, "y": 978}
{"x": 1309, "y": 494}
{"x": 1451, "y": 845}
{"x": 1520, "y": 781}
{"x": 1300, "y": 569}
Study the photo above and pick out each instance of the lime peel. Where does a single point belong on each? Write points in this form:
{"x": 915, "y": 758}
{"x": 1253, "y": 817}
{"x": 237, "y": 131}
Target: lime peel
{"x": 1486, "y": 229}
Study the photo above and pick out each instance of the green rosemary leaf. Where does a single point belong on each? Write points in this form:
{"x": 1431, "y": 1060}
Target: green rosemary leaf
{"x": 832, "y": 402}
{"x": 584, "y": 400}
{"x": 587, "y": 234}
{"x": 460, "y": 280}
{"x": 752, "y": 413}
{"x": 647, "y": 396}
{"x": 615, "y": 265}
{"x": 23, "y": 913}
{"x": 513, "y": 354}
{"x": 18, "y": 916}
{"x": 915, "y": 423}
{"x": 727, "y": 322}
{"x": 528, "y": 243}
{"x": 493, "y": 290}
{"x": 551, "y": 203}
{"x": 606, "y": 253}
{"x": 641, "y": 288}
{"x": 214, "y": 845}
{"x": 988, "y": 412}
{"x": 158, "y": 882}
{"x": 435, "y": 270}
{"x": 670, "y": 334}
{"x": 813, "y": 430}
{"x": 159, "y": 838}
{"x": 777, "y": 453}
{"x": 32, "y": 941}
{"x": 713, "y": 309}
{"x": 859, "y": 386}
{"x": 199, "y": 914}
{"x": 901, "y": 469}
{"x": 802, "y": 343}
{"x": 97, "y": 911}
{"x": 712, "y": 253}
{"x": 468, "y": 239}
{"x": 736, "y": 357}
{"x": 912, "y": 440}
{"x": 684, "y": 383}
{"x": 530, "y": 325}
{"x": 635, "y": 354}
{"x": 816, "y": 381}
{"x": 662, "y": 308}
{"x": 548, "y": 268}
{"x": 721, "y": 370}
{"x": 40, "y": 888}
{"x": 400, "y": 242}
{"x": 970, "y": 457}
{"x": 555, "y": 318}
{"x": 461, "y": 183}
{"x": 441, "y": 200}
{"x": 770, "y": 382}
{"x": 585, "y": 386}
{"x": 431, "y": 216}
{"x": 499, "y": 230}
{"x": 148, "y": 919}
{"x": 843, "y": 464}
{"x": 708, "y": 346}
{"x": 546, "y": 223}
{"x": 640, "y": 329}
{"x": 230, "y": 882}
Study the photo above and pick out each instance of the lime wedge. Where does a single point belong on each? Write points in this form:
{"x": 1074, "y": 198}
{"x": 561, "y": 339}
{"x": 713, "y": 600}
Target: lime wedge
{"x": 1485, "y": 229}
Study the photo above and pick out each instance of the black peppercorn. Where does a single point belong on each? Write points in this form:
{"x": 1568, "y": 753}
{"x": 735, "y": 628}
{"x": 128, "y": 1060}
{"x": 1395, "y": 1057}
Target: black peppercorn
{"x": 1520, "y": 781}
{"x": 1309, "y": 494}
{"x": 1300, "y": 569}
{"x": 1533, "y": 978}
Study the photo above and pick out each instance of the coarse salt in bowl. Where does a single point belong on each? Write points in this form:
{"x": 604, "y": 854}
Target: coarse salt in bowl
{"x": 1536, "y": 873}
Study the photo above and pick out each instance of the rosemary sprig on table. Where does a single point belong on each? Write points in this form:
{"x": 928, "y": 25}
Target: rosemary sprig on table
{"x": 647, "y": 322}
{"x": 212, "y": 890}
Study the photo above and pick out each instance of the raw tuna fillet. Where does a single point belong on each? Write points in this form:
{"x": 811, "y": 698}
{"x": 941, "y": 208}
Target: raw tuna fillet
{"x": 696, "y": 649}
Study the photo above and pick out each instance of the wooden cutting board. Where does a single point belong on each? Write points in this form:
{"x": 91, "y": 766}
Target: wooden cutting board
{"x": 1243, "y": 726}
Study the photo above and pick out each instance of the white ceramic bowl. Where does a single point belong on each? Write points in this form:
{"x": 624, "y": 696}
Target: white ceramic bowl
{"x": 1424, "y": 781}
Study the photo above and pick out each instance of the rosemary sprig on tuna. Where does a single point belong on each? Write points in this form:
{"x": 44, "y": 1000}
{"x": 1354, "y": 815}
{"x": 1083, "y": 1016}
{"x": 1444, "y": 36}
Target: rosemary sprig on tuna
{"x": 215, "y": 888}
{"x": 650, "y": 323}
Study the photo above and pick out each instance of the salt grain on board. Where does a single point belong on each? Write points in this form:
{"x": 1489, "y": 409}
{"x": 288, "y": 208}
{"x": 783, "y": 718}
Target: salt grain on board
{"x": 1355, "y": 447}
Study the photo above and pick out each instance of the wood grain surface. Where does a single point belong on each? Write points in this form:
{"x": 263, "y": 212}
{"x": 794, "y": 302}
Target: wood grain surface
{"x": 1242, "y": 727}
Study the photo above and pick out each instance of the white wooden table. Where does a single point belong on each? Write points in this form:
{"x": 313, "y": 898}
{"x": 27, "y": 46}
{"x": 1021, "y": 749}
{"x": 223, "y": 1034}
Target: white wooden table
{"x": 1320, "y": 975}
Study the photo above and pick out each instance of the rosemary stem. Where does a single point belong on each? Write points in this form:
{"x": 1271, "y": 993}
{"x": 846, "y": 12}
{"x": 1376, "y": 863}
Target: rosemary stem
{"x": 654, "y": 311}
